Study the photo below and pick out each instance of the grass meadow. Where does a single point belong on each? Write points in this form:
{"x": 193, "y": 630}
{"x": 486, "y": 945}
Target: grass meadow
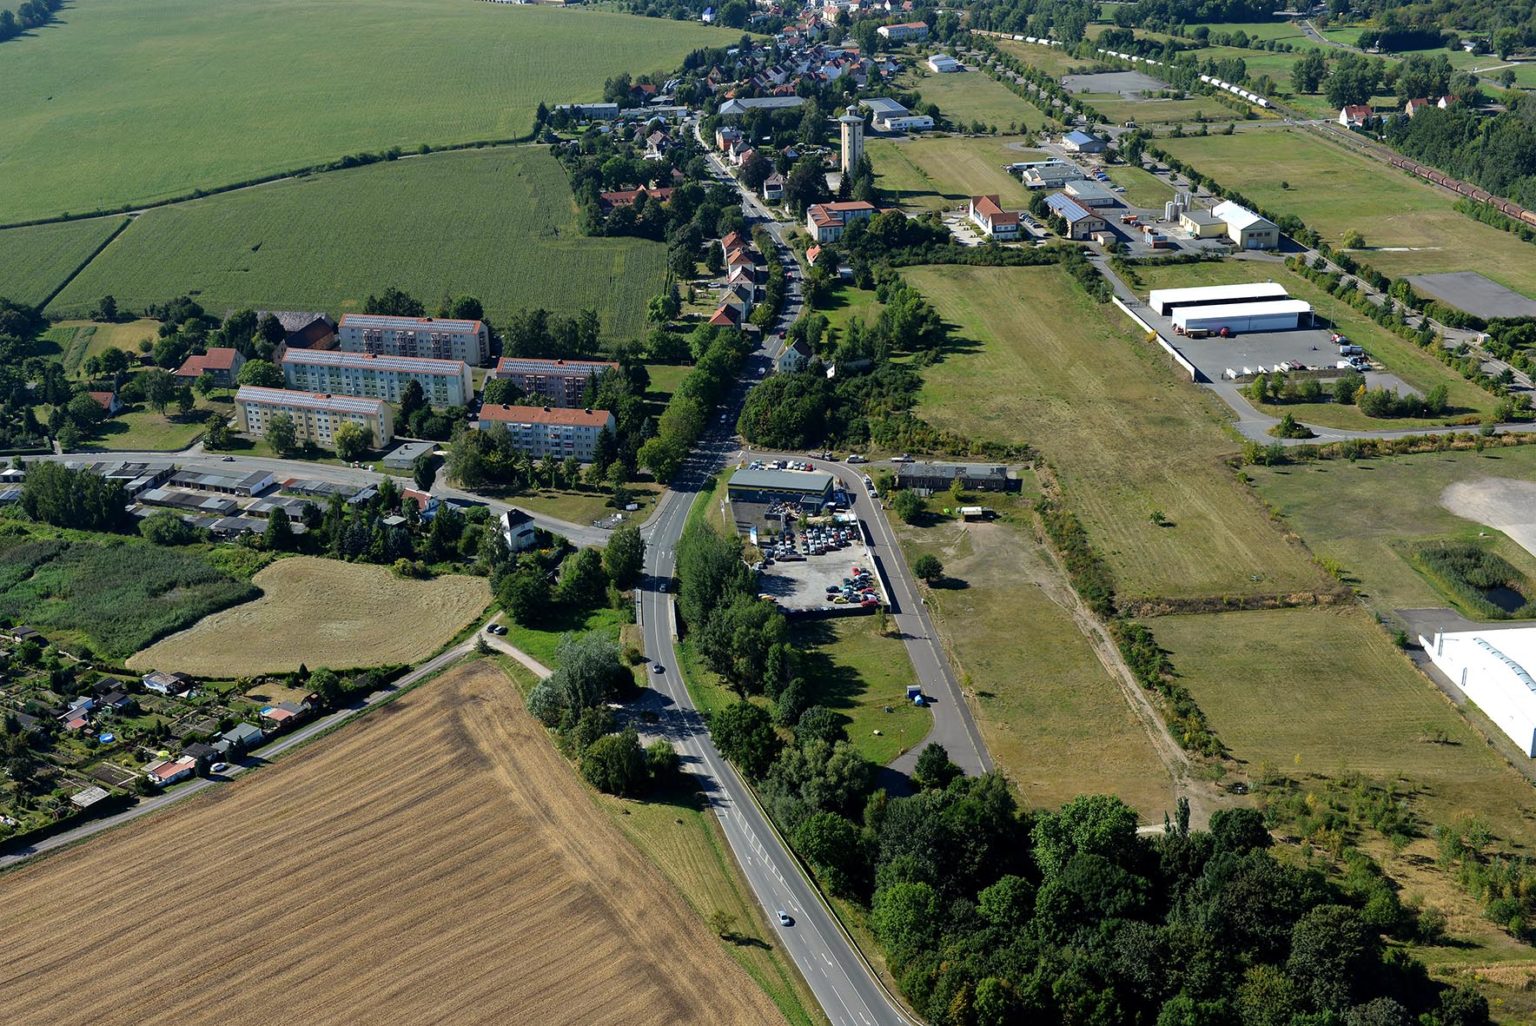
{"x": 140, "y": 100}
{"x": 500, "y": 224}
{"x": 1409, "y": 226}
{"x": 935, "y": 173}
{"x": 1365, "y": 516}
{"x": 1046, "y": 706}
{"x": 1039, "y": 362}
{"x": 37, "y": 260}
{"x": 1052, "y": 60}
{"x": 969, "y": 96}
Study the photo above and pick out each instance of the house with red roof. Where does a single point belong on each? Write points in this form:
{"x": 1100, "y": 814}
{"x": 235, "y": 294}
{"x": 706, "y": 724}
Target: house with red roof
{"x": 988, "y": 215}
{"x": 222, "y": 362}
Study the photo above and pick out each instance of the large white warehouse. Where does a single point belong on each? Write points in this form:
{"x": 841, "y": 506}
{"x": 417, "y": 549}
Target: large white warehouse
{"x": 1490, "y": 667}
{"x": 1165, "y": 301}
{"x": 1275, "y": 315}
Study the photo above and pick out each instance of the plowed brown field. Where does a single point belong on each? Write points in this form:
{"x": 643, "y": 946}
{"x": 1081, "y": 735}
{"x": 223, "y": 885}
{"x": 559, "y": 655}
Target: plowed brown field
{"x": 436, "y": 862}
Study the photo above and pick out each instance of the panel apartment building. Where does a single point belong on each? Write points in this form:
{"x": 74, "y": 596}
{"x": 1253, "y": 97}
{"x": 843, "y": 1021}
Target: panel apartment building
{"x": 436, "y": 338}
{"x": 443, "y": 382}
{"x": 547, "y": 430}
{"x": 556, "y": 382}
{"x": 316, "y": 415}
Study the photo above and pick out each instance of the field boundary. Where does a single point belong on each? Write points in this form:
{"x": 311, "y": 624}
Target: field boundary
{"x": 90, "y": 257}
{"x": 1178, "y": 357}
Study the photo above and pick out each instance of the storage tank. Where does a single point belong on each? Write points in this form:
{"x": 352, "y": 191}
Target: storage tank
{"x": 1170, "y": 211}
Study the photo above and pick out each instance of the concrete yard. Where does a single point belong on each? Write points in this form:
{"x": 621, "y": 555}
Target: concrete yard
{"x": 1126, "y": 83}
{"x": 800, "y": 586}
{"x": 1472, "y": 292}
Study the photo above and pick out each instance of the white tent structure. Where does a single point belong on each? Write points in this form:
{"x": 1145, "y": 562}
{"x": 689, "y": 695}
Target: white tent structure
{"x": 1494, "y": 670}
{"x": 1165, "y": 301}
{"x": 1277, "y": 315}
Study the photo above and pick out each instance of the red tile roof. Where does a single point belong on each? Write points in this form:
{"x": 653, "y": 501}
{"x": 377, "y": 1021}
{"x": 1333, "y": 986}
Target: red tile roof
{"x": 104, "y": 398}
{"x": 544, "y": 415}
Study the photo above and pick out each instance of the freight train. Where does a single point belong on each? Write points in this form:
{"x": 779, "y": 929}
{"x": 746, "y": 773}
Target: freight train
{"x": 1504, "y": 206}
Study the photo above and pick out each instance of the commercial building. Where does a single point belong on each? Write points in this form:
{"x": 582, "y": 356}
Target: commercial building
{"x": 557, "y": 382}
{"x": 1089, "y": 193}
{"x": 437, "y": 338}
{"x": 547, "y": 430}
{"x": 736, "y": 108}
{"x": 1166, "y": 301}
{"x": 1277, "y": 315}
{"x": 1082, "y": 142}
{"x": 1081, "y": 223}
{"x": 943, "y": 64}
{"x": 889, "y": 116}
{"x": 1201, "y": 224}
{"x": 851, "y": 132}
{"x": 1049, "y": 174}
{"x": 826, "y": 222}
{"x": 1247, "y": 229}
{"x": 316, "y": 416}
{"x": 443, "y": 382}
{"x": 923, "y": 476}
{"x": 1494, "y": 670}
{"x": 991, "y": 218}
{"x": 810, "y": 488}
{"x": 907, "y": 32}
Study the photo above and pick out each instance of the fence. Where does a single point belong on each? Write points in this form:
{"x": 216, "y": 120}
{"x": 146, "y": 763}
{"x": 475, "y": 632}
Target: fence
{"x": 1178, "y": 357}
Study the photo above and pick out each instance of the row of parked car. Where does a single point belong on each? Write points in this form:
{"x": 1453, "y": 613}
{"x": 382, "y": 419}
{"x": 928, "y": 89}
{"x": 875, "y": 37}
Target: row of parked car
{"x": 856, "y": 589}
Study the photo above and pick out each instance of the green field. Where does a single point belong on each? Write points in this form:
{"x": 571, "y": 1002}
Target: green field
{"x": 1154, "y": 111}
{"x": 1046, "y": 706}
{"x": 1050, "y": 59}
{"x": 1142, "y": 188}
{"x": 138, "y": 100}
{"x": 1409, "y": 226}
{"x": 937, "y": 173}
{"x": 499, "y": 224}
{"x": 78, "y": 341}
{"x": 1324, "y": 691}
{"x": 1053, "y": 369}
{"x": 1286, "y": 31}
{"x": 35, "y": 261}
{"x": 969, "y": 96}
{"x": 860, "y": 674}
{"x": 1415, "y": 366}
{"x": 1365, "y": 516}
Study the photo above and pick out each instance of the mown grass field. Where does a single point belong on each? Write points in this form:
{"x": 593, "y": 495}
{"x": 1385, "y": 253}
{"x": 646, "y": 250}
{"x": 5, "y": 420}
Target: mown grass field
{"x": 1409, "y": 227}
{"x": 331, "y": 908}
{"x": 78, "y": 341}
{"x": 34, "y": 261}
{"x": 141, "y": 100}
{"x": 938, "y": 173}
{"x": 498, "y": 224}
{"x": 859, "y": 673}
{"x": 969, "y": 96}
{"x": 1417, "y": 368}
{"x": 323, "y": 612}
{"x": 1050, "y": 59}
{"x": 1154, "y": 110}
{"x": 1039, "y": 362}
{"x": 1047, "y": 707}
{"x": 1365, "y": 516}
{"x": 1142, "y": 188}
{"x": 1323, "y": 691}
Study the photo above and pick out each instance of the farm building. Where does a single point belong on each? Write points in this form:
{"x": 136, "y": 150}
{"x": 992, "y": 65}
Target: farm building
{"x": 1082, "y": 142}
{"x": 1276, "y": 315}
{"x": 922, "y": 476}
{"x": 764, "y": 487}
{"x": 221, "y": 362}
{"x": 548, "y": 431}
{"x": 1166, "y": 301}
{"x": 1247, "y": 229}
{"x": 990, "y": 217}
{"x": 557, "y": 382}
{"x": 302, "y": 329}
{"x": 439, "y": 338}
{"x": 1081, "y": 223}
{"x": 1089, "y": 193}
{"x": 1494, "y": 670}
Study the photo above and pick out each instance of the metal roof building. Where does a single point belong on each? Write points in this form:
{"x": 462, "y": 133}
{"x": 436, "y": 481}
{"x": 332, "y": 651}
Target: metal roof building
{"x": 1494, "y": 669}
{"x": 1277, "y": 315}
{"x": 1165, "y": 301}
{"x": 770, "y": 486}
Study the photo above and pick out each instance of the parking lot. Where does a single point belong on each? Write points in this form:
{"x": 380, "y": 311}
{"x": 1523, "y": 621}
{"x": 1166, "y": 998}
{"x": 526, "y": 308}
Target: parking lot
{"x": 816, "y": 570}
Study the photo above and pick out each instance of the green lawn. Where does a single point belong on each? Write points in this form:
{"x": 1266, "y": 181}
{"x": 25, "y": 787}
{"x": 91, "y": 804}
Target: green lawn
{"x": 1041, "y": 363}
{"x": 935, "y": 173}
{"x": 1324, "y": 691}
{"x": 969, "y": 96}
{"x": 137, "y": 100}
{"x": 1142, "y": 188}
{"x": 1415, "y": 366}
{"x": 1365, "y": 516}
{"x": 142, "y": 429}
{"x": 1409, "y": 226}
{"x": 583, "y": 507}
{"x": 541, "y": 642}
{"x": 1155, "y": 111}
{"x": 1052, "y": 60}
{"x": 849, "y": 303}
{"x": 854, "y": 671}
{"x": 1046, "y": 706}
{"x": 500, "y": 224}
{"x": 35, "y": 261}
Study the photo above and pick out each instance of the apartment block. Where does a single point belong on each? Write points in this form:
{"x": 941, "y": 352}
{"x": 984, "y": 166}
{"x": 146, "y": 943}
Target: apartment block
{"x": 443, "y": 382}
{"x": 316, "y": 415}
{"x": 435, "y": 338}
{"x": 557, "y": 382}
{"x": 548, "y": 430}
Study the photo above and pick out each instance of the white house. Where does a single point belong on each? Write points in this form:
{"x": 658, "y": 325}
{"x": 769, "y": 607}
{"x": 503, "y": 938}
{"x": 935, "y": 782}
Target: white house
{"x": 991, "y": 218}
{"x": 518, "y": 529}
{"x": 1246, "y": 228}
{"x": 794, "y": 358}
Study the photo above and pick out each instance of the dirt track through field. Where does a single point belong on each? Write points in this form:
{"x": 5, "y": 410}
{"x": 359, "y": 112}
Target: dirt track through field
{"x": 436, "y": 862}
{"x": 1502, "y": 503}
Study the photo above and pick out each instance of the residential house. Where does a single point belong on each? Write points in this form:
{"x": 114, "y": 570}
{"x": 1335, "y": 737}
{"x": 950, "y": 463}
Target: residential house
{"x": 1355, "y": 115}
{"x": 548, "y": 431}
{"x": 794, "y": 358}
{"x": 316, "y": 415}
{"x": 200, "y": 753}
{"x": 222, "y": 362}
{"x": 519, "y": 530}
{"x": 21, "y": 634}
{"x": 610, "y": 201}
{"x": 1412, "y": 107}
{"x": 443, "y": 382}
{"x": 991, "y": 218}
{"x": 285, "y": 714}
{"x": 438, "y": 338}
{"x": 168, "y": 684}
{"x": 242, "y": 737}
{"x": 167, "y": 772}
{"x": 826, "y": 222}
{"x": 108, "y": 401}
{"x": 557, "y": 382}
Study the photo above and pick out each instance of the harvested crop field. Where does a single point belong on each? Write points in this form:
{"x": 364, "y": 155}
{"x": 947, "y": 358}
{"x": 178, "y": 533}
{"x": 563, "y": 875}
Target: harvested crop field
{"x": 323, "y": 612}
{"x": 444, "y": 865}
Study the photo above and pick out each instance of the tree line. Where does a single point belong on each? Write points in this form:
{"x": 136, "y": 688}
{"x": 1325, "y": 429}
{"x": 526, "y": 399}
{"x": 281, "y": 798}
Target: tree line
{"x": 29, "y": 15}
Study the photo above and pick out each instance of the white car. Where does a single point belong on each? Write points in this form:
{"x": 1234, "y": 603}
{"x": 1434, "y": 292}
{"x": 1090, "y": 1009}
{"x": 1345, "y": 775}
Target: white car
{"x": 784, "y": 919}
{"x": 218, "y": 767}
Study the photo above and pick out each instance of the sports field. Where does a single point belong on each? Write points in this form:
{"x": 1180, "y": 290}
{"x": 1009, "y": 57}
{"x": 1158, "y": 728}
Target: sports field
{"x": 1367, "y": 515}
{"x": 35, "y": 261}
{"x": 1409, "y": 226}
{"x": 935, "y": 174}
{"x": 139, "y": 100}
{"x": 968, "y": 96}
{"x": 323, "y": 612}
{"x": 1046, "y": 706}
{"x": 499, "y": 224}
{"x": 1324, "y": 691}
{"x": 1064, "y": 374}
{"x": 444, "y": 864}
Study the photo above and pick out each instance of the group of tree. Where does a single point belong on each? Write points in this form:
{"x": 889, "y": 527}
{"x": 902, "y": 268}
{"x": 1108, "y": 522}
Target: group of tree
{"x": 695, "y": 400}
{"x": 556, "y": 585}
{"x": 64, "y": 497}
{"x": 30, "y": 14}
{"x": 1497, "y": 152}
